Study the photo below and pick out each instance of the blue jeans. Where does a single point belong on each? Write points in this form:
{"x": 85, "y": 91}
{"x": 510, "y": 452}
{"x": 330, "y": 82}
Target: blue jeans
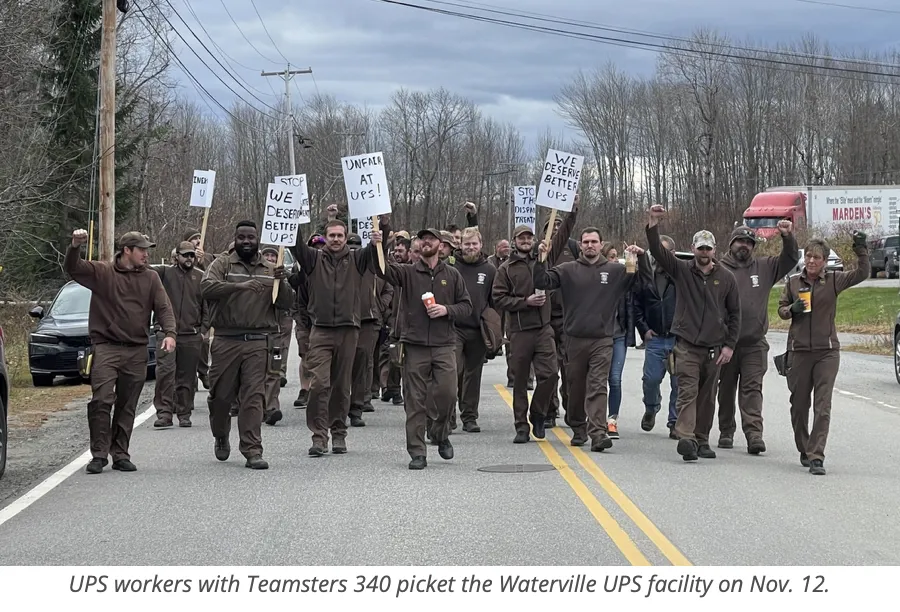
{"x": 655, "y": 355}
{"x": 615, "y": 376}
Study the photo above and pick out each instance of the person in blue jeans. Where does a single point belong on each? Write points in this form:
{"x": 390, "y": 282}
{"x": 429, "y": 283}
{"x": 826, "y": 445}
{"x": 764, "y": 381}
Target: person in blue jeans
{"x": 623, "y": 338}
{"x": 654, "y": 310}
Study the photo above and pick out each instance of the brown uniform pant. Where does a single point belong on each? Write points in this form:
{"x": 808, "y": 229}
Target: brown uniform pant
{"x": 237, "y": 372}
{"x": 812, "y": 374}
{"x": 429, "y": 386}
{"x": 559, "y": 336}
{"x": 203, "y": 364}
{"x": 743, "y": 375}
{"x": 176, "y": 377}
{"x": 363, "y": 370}
{"x": 587, "y": 371}
{"x": 697, "y": 377}
{"x": 532, "y": 348}
{"x": 273, "y": 393}
{"x": 302, "y": 335}
{"x": 330, "y": 362}
{"x": 470, "y": 354}
{"x": 118, "y": 374}
{"x": 287, "y": 330}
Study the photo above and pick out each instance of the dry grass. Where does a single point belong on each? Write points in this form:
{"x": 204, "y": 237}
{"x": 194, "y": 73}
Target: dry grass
{"x": 863, "y": 310}
{"x": 877, "y": 345}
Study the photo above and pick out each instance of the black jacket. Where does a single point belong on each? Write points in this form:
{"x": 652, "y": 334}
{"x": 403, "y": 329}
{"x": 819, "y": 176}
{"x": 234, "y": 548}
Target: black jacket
{"x": 652, "y": 310}
{"x": 625, "y": 316}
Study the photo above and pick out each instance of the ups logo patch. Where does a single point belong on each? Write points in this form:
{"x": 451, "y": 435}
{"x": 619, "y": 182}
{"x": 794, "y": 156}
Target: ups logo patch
{"x": 443, "y": 282}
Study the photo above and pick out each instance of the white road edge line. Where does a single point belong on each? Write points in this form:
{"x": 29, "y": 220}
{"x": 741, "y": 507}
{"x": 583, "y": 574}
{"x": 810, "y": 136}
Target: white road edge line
{"x": 59, "y": 477}
{"x": 868, "y": 399}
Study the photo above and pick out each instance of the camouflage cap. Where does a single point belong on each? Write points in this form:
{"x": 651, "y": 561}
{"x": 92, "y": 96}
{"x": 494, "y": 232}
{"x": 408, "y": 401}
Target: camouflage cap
{"x": 704, "y": 238}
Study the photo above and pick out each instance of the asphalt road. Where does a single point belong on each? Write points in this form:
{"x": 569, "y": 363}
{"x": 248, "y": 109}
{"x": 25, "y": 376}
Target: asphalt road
{"x": 638, "y": 503}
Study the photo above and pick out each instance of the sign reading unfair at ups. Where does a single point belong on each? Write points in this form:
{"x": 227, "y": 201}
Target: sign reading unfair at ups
{"x": 283, "y": 216}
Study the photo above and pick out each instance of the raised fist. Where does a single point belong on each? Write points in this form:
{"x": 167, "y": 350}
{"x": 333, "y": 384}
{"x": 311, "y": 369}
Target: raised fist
{"x": 79, "y": 237}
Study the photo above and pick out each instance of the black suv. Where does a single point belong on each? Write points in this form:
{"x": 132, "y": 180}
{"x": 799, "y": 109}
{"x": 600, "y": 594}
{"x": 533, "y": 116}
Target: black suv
{"x": 883, "y": 256}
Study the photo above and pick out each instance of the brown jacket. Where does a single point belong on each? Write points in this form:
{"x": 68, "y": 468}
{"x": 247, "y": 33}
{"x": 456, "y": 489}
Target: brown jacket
{"x": 755, "y": 279}
{"x": 815, "y": 331}
{"x": 122, "y": 301}
{"x": 514, "y": 284}
{"x": 236, "y": 310}
{"x": 479, "y": 279}
{"x": 335, "y": 282}
{"x": 449, "y": 290}
{"x": 592, "y": 293}
{"x": 708, "y": 308}
{"x": 183, "y": 290}
{"x": 375, "y": 298}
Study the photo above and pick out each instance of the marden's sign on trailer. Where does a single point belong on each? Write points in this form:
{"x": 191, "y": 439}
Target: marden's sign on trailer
{"x": 559, "y": 182}
{"x": 202, "y": 188}
{"x": 282, "y": 218}
{"x": 366, "y": 183}
{"x": 298, "y": 183}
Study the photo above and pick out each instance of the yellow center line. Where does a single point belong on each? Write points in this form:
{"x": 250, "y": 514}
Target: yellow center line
{"x": 618, "y": 535}
{"x": 640, "y": 519}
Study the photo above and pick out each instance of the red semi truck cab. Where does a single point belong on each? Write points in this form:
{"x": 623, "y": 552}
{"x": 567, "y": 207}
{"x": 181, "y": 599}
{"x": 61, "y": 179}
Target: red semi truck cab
{"x": 770, "y": 207}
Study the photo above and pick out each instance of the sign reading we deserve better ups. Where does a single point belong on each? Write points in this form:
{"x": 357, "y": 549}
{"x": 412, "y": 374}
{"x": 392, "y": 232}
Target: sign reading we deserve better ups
{"x": 366, "y": 183}
{"x": 559, "y": 182}
{"x": 283, "y": 216}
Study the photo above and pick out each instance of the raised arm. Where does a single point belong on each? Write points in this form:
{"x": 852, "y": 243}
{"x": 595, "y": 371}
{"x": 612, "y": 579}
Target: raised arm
{"x": 85, "y": 273}
{"x": 664, "y": 258}
{"x": 305, "y": 256}
{"x": 845, "y": 280}
{"x": 790, "y": 253}
{"x": 561, "y": 239}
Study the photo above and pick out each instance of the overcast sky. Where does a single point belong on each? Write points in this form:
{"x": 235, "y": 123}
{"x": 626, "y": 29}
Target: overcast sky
{"x": 362, "y": 51}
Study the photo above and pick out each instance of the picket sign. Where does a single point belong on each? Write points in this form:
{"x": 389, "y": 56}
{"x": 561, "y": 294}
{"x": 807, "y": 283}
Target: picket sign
{"x": 202, "y": 188}
{"x": 365, "y": 181}
{"x": 558, "y": 186}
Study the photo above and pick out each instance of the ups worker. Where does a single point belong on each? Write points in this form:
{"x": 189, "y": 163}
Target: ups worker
{"x": 176, "y": 379}
{"x": 428, "y": 337}
{"x": 245, "y": 342}
{"x": 707, "y": 323}
{"x": 744, "y": 374}
{"x": 592, "y": 290}
{"x": 124, "y": 293}
{"x": 335, "y": 277}
{"x": 531, "y": 341}
{"x": 272, "y": 411}
{"x": 809, "y": 302}
{"x": 374, "y": 300}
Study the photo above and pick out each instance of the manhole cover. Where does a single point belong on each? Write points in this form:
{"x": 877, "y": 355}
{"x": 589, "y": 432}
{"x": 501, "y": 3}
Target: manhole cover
{"x": 519, "y": 468}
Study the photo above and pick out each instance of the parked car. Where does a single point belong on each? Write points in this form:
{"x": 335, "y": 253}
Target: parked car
{"x": 883, "y": 256}
{"x": 62, "y": 331}
{"x": 4, "y": 403}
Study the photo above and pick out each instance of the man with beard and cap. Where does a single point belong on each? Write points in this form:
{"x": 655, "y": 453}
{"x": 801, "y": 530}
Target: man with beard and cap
{"x": 744, "y": 374}
{"x": 433, "y": 298}
{"x": 592, "y": 290}
{"x": 530, "y": 335}
{"x": 707, "y": 323}
{"x": 303, "y": 322}
{"x": 392, "y": 377}
{"x": 272, "y": 411}
{"x": 176, "y": 380}
{"x": 204, "y": 260}
{"x": 246, "y": 341}
{"x": 374, "y": 301}
{"x": 478, "y": 275}
{"x": 335, "y": 276}
{"x": 124, "y": 294}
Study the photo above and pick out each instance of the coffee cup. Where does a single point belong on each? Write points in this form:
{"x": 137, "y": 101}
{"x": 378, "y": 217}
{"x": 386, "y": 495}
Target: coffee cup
{"x": 806, "y": 296}
{"x": 539, "y": 292}
{"x": 630, "y": 262}
{"x": 428, "y": 299}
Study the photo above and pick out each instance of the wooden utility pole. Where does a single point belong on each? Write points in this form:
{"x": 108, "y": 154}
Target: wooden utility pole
{"x": 107, "y": 232}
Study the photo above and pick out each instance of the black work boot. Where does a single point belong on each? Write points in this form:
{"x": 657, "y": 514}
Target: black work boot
{"x": 726, "y": 441}
{"x": 356, "y": 421}
{"x": 302, "y": 399}
{"x": 95, "y": 465}
{"x": 256, "y": 462}
{"x": 704, "y": 451}
{"x": 124, "y": 465}
{"x": 223, "y": 449}
{"x": 537, "y": 427}
{"x": 648, "y": 421}
{"x": 338, "y": 446}
{"x": 522, "y": 437}
{"x": 162, "y": 423}
{"x": 184, "y": 421}
{"x": 418, "y": 463}
{"x": 274, "y": 417}
{"x": 578, "y": 439}
{"x": 316, "y": 451}
{"x": 471, "y": 427}
{"x": 756, "y": 446}
{"x": 445, "y": 449}
{"x": 368, "y": 407}
{"x": 601, "y": 444}
{"x": 398, "y": 400}
{"x": 687, "y": 448}
{"x": 817, "y": 467}
{"x": 804, "y": 460}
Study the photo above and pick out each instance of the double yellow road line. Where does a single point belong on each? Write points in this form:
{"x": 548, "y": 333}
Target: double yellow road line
{"x": 618, "y": 535}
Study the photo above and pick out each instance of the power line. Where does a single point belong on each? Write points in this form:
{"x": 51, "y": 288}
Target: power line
{"x": 218, "y": 47}
{"x": 489, "y": 8}
{"x": 851, "y": 6}
{"x": 234, "y": 21}
{"x": 266, "y": 30}
{"x": 657, "y": 47}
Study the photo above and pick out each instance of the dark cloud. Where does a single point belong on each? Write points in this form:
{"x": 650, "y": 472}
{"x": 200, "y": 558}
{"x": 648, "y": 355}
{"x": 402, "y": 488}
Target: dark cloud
{"x": 362, "y": 50}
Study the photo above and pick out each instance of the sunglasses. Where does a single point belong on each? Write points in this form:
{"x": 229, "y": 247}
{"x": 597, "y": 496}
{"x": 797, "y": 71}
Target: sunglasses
{"x": 187, "y": 255}
{"x": 704, "y": 248}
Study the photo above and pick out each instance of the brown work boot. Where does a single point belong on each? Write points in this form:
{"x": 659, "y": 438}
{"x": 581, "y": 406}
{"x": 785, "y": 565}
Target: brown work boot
{"x": 601, "y": 444}
{"x": 578, "y": 439}
{"x": 256, "y": 462}
{"x": 471, "y": 427}
{"x": 756, "y": 446}
{"x": 726, "y": 441}
{"x": 705, "y": 452}
{"x": 339, "y": 446}
{"x": 356, "y": 421}
{"x": 418, "y": 463}
{"x": 316, "y": 451}
{"x": 184, "y": 421}
{"x": 302, "y": 399}
{"x": 162, "y": 423}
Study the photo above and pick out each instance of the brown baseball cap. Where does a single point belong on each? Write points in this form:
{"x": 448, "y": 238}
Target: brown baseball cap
{"x": 186, "y": 247}
{"x": 522, "y": 229}
{"x": 135, "y": 240}
{"x": 429, "y": 230}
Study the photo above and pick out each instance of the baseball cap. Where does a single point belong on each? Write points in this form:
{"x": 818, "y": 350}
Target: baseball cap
{"x": 185, "y": 248}
{"x": 402, "y": 234}
{"x": 447, "y": 237}
{"x": 429, "y": 230}
{"x": 269, "y": 249}
{"x": 354, "y": 240}
{"x": 135, "y": 240}
{"x": 704, "y": 238}
{"x": 742, "y": 232}
{"x": 522, "y": 229}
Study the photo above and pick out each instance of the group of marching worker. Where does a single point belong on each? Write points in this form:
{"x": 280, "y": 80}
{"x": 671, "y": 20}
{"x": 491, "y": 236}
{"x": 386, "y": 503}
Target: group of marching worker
{"x": 415, "y": 317}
